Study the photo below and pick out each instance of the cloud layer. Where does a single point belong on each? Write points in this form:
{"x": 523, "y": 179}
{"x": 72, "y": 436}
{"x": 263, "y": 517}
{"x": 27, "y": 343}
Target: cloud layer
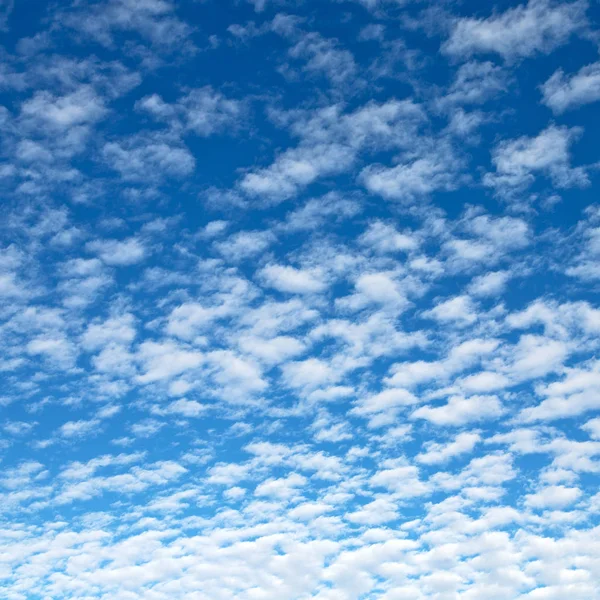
{"x": 299, "y": 300}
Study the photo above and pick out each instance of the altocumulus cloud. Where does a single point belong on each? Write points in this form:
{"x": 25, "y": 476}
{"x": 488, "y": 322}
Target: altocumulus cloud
{"x": 298, "y": 300}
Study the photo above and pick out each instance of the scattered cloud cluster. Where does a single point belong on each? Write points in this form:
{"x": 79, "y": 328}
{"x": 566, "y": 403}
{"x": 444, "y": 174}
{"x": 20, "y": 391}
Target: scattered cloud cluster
{"x": 299, "y": 300}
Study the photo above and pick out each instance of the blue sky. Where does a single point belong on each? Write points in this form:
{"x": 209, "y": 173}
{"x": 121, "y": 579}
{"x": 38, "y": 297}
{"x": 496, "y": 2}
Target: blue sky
{"x": 299, "y": 300}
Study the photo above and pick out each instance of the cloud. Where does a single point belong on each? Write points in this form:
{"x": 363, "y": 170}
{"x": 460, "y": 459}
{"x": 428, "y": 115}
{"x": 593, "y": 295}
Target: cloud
{"x": 408, "y": 181}
{"x": 475, "y": 82}
{"x": 269, "y": 266}
{"x": 291, "y": 280}
{"x": 118, "y": 252}
{"x": 561, "y": 93}
{"x": 490, "y": 284}
{"x": 460, "y": 411}
{"x": 245, "y": 244}
{"x": 459, "y": 310}
{"x": 330, "y": 144}
{"x": 202, "y": 111}
{"x": 148, "y": 158}
{"x": 383, "y": 237}
{"x": 540, "y": 26}
{"x": 518, "y": 161}
{"x": 57, "y": 349}
{"x": 435, "y": 453}
{"x": 162, "y": 361}
{"x": 78, "y": 108}
{"x": 102, "y": 21}
{"x": 556, "y": 496}
{"x": 324, "y": 56}
{"x": 318, "y": 212}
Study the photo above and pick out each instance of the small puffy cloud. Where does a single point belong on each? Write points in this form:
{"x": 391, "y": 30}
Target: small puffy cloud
{"x": 377, "y": 512}
{"x": 324, "y": 56}
{"x": 154, "y": 20}
{"x": 330, "y": 143}
{"x": 459, "y": 310}
{"x": 562, "y": 93}
{"x": 295, "y": 169}
{"x": 310, "y": 373}
{"x": 291, "y": 280}
{"x": 118, "y": 252}
{"x": 400, "y": 477}
{"x": 490, "y": 284}
{"x": 375, "y": 289}
{"x": 76, "y": 429}
{"x": 162, "y": 361}
{"x": 185, "y": 408}
{"x": 535, "y": 356}
{"x": 272, "y": 350}
{"x": 143, "y": 158}
{"x": 58, "y": 349}
{"x": 576, "y": 394}
{"x": 318, "y": 212}
{"x": 485, "y": 381}
{"x": 202, "y": 111}
{"x": 553, "y": 497}
{"x": 518, "y": 161}
{"x": 412, "y": 180}
{"x": 237, "y": 377}
{"x": 593, "y": 428}
{"x": 392, "y": 398}
{"x": 540, "y": 26}
{"x": 436, "y": 453}
{"x": 474, "y": 83}
{"x": 80, "y": 107}
{"x": 383, "y": 238}
{"x": 283, "y": 488}
{"x": 461, "y": 410}
{"x": 114, "y": 330}
{"x": 245, "y": 244}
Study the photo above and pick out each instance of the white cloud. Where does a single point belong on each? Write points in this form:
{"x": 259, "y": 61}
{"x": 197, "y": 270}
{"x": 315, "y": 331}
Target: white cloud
{"x": 310, "y": 373}
{"x": 291, "y": 280}
{"x": 555, "y": 496}
{"x": 57, "y": 349}
{"x": 383, "y": 237}
{"x": 202, "y": 111}
{"x": 165, "y": 360}
{"x": 283, "y": 488}
{"x": 272, "y": 351}
{"x": 436, "y": 453}
{"x": 330, "y": 143}
{"x": 80, "y": 428}
{"x": 335, "y": 398}
{"x": 185, "y": 408}
{"x": 460, "y": 411}
{"x": 152, "y": 19}
{"x": 324, "y": 56}
{"x": 377, "y": 512}
{"x": 562, "y": 93}
{"x": 78, "y": 108}
{"x": 148, "y": 158}
{"x": 459, "y": 310}
{"x": 475, "y": 83}
{"x": 118, "y": 252}
{"x": 114, "y": 330}
{"x": 518, "y": 161}
{"x": 522, "y": 31}
{"x": 318, "y": 212}
{"x": 409, "y": 181}
{"x": 245, "y": 244}
{"x": 490, "y": 284}
{"x": 384, "y": 401}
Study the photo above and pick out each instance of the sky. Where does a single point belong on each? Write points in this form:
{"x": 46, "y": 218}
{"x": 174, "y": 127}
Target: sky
{"x": 299, "y": 300}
